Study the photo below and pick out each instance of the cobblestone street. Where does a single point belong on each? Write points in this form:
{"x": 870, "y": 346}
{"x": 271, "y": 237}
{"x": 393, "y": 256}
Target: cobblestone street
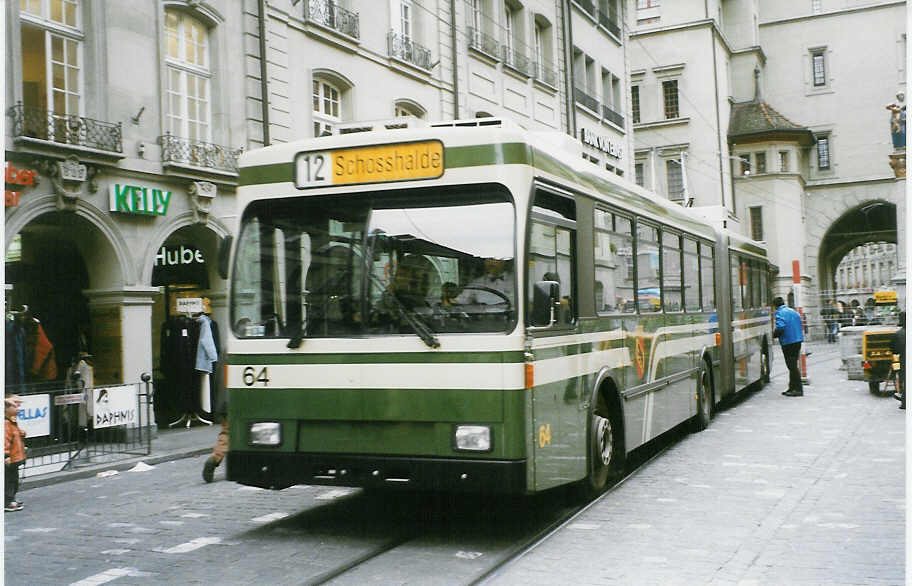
{"x": 778, "y": 490}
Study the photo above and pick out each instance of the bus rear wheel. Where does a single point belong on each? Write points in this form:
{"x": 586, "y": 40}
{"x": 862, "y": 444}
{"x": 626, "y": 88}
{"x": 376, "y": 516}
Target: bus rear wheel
{"x": 704, "y": 400}
{"x": 765, "y": 364}
{"x": 606, "y": 447}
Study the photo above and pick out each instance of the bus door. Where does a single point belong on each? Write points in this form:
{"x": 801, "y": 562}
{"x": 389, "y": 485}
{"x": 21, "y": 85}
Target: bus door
{"x": 559, "y": 446}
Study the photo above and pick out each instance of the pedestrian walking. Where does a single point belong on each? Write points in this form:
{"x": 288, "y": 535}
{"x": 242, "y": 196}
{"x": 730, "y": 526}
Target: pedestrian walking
{"x": 898, "y": 347}
{"x": 831, "y": 320}
{"x": 13, "y": 453}
{"x": 789, "y": 331}
{"x": 220, "y": 412}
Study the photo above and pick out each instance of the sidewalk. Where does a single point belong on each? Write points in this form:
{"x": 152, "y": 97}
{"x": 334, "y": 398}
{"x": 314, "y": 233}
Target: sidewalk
{"x": 169, "y": 444}
{"x": 778, "y": 490}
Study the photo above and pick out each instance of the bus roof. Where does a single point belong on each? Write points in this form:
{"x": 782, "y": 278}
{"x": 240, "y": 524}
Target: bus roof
{"x": 554, "y": 155}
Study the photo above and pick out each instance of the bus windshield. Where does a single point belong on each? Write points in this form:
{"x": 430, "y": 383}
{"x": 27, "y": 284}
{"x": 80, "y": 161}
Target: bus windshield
{"x": 419, "y": 262}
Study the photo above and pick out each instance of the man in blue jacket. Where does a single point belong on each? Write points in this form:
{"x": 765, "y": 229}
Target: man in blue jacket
{"x": 789, "y": 330}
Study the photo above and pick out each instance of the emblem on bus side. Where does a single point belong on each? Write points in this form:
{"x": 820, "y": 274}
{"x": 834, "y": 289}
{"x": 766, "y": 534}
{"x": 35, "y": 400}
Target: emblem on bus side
{"x": 544, "y": 435}
{"x": 640, "y": 356}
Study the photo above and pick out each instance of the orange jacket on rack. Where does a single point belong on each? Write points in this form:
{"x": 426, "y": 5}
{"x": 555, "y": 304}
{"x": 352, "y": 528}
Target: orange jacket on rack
{"x": 44, "y": 364}
{"x": 14, "y": 446}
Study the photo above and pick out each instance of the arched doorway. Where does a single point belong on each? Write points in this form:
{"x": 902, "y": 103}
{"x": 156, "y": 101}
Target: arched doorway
{"x": 183, "y": 266}
{"x": 858, "y": 255}
{"x": 870, "y": 222}
{"x": 52, "y": 263}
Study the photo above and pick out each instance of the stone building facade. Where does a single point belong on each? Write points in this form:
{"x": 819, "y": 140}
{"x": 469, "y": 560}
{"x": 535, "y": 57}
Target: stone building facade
{"x": 777, "y": 123}
{"x": 125, "y": 120}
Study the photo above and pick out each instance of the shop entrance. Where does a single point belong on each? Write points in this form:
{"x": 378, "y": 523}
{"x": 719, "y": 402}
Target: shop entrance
{"x": 183, "y": 318}
{"x": 46, "y": 274}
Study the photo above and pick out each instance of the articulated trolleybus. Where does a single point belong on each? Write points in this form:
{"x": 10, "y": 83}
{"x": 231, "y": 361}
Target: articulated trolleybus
{"x": 469, "y": 306}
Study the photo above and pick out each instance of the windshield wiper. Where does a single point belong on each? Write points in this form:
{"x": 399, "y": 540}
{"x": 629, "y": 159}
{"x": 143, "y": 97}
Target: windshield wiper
{"x": 417, "y": 324}
{"x": 401, "y": 312}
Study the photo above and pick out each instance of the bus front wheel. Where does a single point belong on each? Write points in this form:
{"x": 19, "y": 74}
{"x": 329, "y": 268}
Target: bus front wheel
{"x": 606, "y": 447}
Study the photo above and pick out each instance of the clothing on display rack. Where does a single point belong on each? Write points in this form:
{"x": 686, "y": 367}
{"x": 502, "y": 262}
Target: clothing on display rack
{"x": 29, "y": 354}
{"x": 189, "y": 349}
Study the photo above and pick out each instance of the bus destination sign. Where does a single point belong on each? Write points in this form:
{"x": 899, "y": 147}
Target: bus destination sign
{"x": 369, "y": 164}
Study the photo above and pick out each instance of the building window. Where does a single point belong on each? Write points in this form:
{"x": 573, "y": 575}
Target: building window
{"x": 639, "y": 169}
{"x": 635, "y": 103}
{"x": 405, "y": 18}
{"x": 783, "y": 161}
{"x": 670, "y": 97}
{"x": 327, "y": 102}
{"x": 406, "y": 109}
{"x": 188, "y": 77}
{"x": 648, "y": 11}
{"x": 52, "y": 60}
{"x": 675, "y": 180}
{"x": 760, "y": 162}
{"x": 823, "y": 152}
{"x": 508, "y": 31}
{"x": 818, "y": 67}
{"x": 756, "y": 222}
{"x": 745, "y": 164}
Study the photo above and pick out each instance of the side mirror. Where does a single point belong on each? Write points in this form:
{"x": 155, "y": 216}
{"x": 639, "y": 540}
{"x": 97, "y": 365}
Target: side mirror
{"x": 224, "y": 256}
{"x": 544, "y": 297}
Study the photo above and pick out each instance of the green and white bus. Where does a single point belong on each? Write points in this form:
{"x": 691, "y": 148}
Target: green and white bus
{"x": 470, "y": 306}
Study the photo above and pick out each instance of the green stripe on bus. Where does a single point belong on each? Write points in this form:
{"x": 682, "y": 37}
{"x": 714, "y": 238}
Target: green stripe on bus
{"x": 378, "y": 358}
{"x": 509, "y": 153}
{"x": 273, "y": 173}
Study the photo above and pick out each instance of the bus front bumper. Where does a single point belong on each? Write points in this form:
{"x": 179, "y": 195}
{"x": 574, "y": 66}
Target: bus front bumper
{"x": 280, "y": 470}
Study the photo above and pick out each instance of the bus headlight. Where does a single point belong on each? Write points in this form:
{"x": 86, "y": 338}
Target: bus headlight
{"x": 473, "y": 438}
{"x": 265, "y": 433}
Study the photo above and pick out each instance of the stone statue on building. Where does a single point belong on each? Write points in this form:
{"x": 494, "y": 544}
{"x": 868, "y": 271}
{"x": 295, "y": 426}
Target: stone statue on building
{"x": 898, "y": 121}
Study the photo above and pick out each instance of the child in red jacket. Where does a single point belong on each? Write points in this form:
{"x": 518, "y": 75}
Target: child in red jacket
{"x": 14, "y": 454}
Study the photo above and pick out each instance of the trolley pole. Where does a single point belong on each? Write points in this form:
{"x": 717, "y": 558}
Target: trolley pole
{"x": 796, "y": 292}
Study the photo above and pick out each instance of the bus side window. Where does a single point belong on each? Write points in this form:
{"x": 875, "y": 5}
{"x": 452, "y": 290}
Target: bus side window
{"x": 551, "y": 258}
{"x": 647, "y": 267}
{"x": 613, "y": 263}
{"x": 552, "y": 252}
{"x": 707, "y": 277}
{"x": 737, "y": 283}
{"x": 691, "y": 276}
{"x": 671, "y": 271}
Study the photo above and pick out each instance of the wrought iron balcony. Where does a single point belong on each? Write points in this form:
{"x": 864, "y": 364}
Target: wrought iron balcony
{"x": 404, "y": 48}
{"x": 184, "y": 151}
{"x": 545, "y": 73}
{"x": 331, "y": 15}
{"x": 517, "y": 60}
{"x": 65, "y": 128}
{"x": 585, "y": 99}
{"x": 482, "y": 42}
{"x": 612, "y": 116}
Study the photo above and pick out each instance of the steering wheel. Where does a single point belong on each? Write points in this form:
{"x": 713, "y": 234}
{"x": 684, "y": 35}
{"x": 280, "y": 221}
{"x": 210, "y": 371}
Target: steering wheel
{"x": 500, "y": 294}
